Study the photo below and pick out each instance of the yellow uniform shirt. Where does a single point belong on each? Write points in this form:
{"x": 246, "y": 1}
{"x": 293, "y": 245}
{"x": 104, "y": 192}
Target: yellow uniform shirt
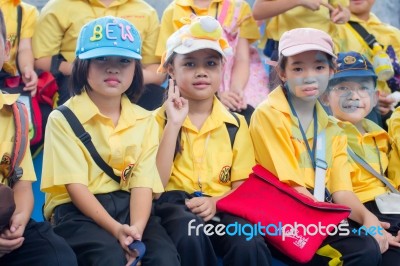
{"x": 350, "y": 40}
{"x": 279, "y": 145}
{"x": 7, "y": 134}
{"x": 394, "y": 155}
{"x": 130, "y": 149}
{"x": 61, "y": 20}
{"x": 178, "y": 9}
{"x": 209, "y": 161}
{"x": 29, "y": 19}
{"x": 301, "y": 17}
{"x": 365, "y": 185}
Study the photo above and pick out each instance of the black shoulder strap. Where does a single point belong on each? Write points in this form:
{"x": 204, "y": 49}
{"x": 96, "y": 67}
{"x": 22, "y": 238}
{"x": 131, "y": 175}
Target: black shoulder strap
{"x": 233, "y": 129}
{"x": 86, "y": 139}
{"x": 368, "y": 38}
{"x": 19, "y": 26}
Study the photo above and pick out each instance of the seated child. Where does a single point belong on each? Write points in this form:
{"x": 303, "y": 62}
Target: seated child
{"x": 23, "y": 241}
{"x": 209, "y": 162}
{"x": 351, "y": 95}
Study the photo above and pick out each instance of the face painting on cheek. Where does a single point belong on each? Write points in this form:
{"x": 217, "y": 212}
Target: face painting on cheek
{"x": 311, "y": 86}
{"x": 349, "y": 104}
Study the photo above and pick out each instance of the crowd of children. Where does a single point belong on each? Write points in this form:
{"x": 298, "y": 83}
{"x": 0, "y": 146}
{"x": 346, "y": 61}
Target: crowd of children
{"x": 123, "y": 183}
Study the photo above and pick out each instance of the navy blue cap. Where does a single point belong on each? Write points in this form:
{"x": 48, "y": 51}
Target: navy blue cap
{"x": 353, "y": 64}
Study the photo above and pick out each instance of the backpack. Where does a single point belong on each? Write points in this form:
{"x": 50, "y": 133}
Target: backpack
{"x": 21, "y": 139}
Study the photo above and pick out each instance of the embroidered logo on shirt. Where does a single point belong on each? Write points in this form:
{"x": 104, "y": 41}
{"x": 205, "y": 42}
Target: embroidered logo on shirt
{"x": 224, "y": 175}
{"x": 127, "y": 171}
{"x": 6, "y": 159}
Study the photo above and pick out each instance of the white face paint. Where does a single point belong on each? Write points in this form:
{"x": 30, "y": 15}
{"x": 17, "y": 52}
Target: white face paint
{"x": 307, "y": 75}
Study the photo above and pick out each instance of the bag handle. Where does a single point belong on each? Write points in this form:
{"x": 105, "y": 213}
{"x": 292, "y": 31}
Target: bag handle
{"x": 320, "y": 167}
{"x": 371, "y": 170}
{"x": 86, "y": 139}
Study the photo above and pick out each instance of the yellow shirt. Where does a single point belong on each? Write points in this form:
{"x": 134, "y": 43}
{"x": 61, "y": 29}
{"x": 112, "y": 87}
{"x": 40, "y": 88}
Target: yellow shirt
{"x": 394, "y": 155}
{"x": 301, "y": 17}
{"x": 178, "y": 9}
{"x": 7, "y": 134}
{"x": 29, "y": 19}
{"x": 130, "y": 149}
{"x": 365, "y": 185}
{"x": 215, "y": 155}
{"x": 60, "y": 23}
{"x": 350, "y": 40}
{"x": 279, "y": 145}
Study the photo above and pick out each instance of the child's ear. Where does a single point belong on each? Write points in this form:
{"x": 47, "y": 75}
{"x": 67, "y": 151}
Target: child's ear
{"x": 281, "y": 75}
{"x": 374, "y": 98}
{"x": 170, "y": 71}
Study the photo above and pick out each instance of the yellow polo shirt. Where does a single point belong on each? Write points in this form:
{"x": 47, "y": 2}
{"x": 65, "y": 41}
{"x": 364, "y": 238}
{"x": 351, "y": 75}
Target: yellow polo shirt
{"x": 365, "y": 185}
{"x": 279, "y": 145}
{"x": 350, "y": 40}
{"x": 394, "y": 155}
{"x": 28, "y": 24}
{"x": 61, "y": 20}
{"x": 178, "y": 9}
{"x": 301, "y": 17}
{"x": 130, "y": 149}
{"x": 215, "y": 156}
{"x": 7, "y": 134}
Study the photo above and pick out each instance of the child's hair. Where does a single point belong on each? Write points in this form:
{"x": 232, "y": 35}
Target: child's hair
{"x": 103, "y": 37}
{"x": 3, "y": 27}
{"x": 79, "y": 79}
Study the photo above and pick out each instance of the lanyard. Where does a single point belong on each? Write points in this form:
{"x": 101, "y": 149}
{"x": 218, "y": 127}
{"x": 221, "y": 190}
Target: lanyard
{"x": 379, "y": 158}
{"x": 311, "y": 152}
{"x": 216, "y": 11}
{"x": 198, "y": 162}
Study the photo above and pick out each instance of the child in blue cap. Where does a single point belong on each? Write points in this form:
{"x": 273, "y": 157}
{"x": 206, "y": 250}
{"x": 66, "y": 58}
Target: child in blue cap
{"x": 351, "y": 95}
{"x": 102, "y": 209}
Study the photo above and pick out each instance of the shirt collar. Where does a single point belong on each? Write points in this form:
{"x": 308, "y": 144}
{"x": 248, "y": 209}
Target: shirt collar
{"x": 7, "y": 99}
{"x": 373, "y": 19}
{"x": 191, "y": 3}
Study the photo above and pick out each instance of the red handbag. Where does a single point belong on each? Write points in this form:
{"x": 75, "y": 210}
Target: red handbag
{"x": 293, "y": 223}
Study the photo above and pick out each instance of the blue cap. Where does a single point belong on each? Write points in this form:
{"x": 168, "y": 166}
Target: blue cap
{"x": 108, "y": 36}
{"x": 353, "y": 64}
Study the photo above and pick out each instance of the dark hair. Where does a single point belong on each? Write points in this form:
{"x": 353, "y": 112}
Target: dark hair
{"x": 79, "y": 79}
{"x": 281, "y": 64}
{"x": 3, "y": 27}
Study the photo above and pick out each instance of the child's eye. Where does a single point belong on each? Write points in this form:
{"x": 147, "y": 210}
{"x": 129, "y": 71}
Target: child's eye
{"x": 103, "y": 58}
{"x": 342, "y": 88}
{"x": 363, "y": 88}
{"x": 297, "y": 69}
{"x": 126, "y": 60}
{"x": 189, "y": 64}
{"x": 212, "y": 63}
{"x": 320, "y": 67}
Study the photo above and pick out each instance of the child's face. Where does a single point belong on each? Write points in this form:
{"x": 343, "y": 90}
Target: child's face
{"x": 353, "y": 99}
{"x": 197, "y": 74}
{"x": 110, "y": 76}
{"x": 361, "y": 6}
{"x": 4, "y": 51}
{"x": 307, "y": 75}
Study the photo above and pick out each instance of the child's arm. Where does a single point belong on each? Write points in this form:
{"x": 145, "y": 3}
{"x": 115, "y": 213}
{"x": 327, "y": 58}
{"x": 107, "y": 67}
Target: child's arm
{"x": 150, "y": 75}
{"x": 26, "y": 65}
{"x": 87, "y": 203}
{"x": 140, "y": 207}
{"x": 177, "y": 109}
{"x": 241, "y": 69}
{"x": 361, "y": 215}
{"x": 264, "y": 9}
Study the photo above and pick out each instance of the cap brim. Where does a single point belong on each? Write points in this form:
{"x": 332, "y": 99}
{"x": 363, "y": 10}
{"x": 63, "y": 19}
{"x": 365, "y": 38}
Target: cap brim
{"x": 354, "y": 73}
{"x": 297, "y": 49}
{"x": 109, "y": 51}
{"x": 199, "y": 45}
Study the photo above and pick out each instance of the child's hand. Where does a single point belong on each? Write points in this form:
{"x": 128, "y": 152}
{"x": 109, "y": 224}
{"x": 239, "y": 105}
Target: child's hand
{"x": 311, "y": 4}
{"x": 176, "y": 107}
{"x": 17, "y": 227}
{"x": 231, "y": 100}
{"x": 385, "y": 103}
{"x": 126, "y": 234}
{"x": 243, "y": 103}
{"x": 340, "y": 15}
{"x": 205, "y": 207}
{"x": 382, "y": 239}
{"x": 30, "y": 80}
{"x": 393, "y": 240}
{"x": 7, "y": 245}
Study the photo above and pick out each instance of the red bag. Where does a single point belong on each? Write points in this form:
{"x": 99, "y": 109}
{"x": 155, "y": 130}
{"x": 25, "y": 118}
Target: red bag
{"x": 263, "y": 199}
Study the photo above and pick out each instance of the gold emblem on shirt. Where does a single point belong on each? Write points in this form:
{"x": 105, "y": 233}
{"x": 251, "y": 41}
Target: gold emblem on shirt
{"x": 127, "y": 171}
{"x": 225, "y": 175}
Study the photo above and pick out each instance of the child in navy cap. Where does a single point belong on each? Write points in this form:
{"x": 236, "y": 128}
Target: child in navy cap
{"x": 351, "y": 95}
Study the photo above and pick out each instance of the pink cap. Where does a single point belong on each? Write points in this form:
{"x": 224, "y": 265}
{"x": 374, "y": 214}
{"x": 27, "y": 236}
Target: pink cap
{"x": 301, "y": 40}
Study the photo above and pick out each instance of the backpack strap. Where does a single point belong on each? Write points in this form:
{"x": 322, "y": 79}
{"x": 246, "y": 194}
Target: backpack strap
{"x": 21, "y": 138}
{"x": 367, "y": 37}
{"x": 233, "y": 129}
{"x": 86, "y": 139}
{"x": 19, "y": 25}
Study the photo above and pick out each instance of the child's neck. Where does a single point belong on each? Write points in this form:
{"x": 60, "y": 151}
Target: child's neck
{"x": 202, "y": 3}
{"x": 107, "y": 3}
{"x": 199, "y": 111}
{"x": 360, "y": 128}
{"x": 363, "y": 16}
{"x": 304, "y": 110}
